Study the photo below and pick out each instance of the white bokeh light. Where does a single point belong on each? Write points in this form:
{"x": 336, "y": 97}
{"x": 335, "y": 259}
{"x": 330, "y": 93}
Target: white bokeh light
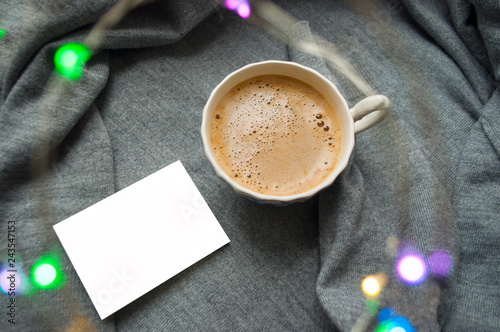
{"x": 411, "y": 269}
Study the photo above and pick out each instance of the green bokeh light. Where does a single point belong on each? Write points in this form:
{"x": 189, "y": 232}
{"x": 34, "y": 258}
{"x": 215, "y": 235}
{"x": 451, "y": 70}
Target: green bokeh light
{"x": 383, "y": 327}
{"x": 46, "y": 273}
{"x": 371, "y": 307}
{"x": 2, "y": 33}
{"x": 69, "y": 60}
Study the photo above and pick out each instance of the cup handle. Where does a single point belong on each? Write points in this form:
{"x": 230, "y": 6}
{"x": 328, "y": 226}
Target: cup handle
{"x": 370, "y": 111}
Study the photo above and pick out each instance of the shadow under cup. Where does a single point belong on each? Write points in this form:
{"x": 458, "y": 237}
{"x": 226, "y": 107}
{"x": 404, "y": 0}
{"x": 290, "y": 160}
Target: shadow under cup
{"x": 306, "y": 75}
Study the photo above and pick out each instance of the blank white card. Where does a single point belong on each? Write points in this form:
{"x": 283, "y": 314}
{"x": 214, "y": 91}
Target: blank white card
{"x": 134, "y": 240}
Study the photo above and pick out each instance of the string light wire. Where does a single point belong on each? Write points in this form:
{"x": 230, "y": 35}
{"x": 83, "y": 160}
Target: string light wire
{"x": 277, "y": 22}
{"x": 53, "y": 96}
{"x": 94, "y": 39}
{"x": 262, "y": 13}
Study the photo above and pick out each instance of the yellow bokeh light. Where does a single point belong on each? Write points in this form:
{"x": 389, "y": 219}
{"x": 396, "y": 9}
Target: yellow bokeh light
{"x": 371, "y": 286}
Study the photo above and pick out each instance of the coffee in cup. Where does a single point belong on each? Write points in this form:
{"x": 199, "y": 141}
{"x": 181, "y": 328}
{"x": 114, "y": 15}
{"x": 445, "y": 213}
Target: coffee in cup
{"x": 275, "y": 135}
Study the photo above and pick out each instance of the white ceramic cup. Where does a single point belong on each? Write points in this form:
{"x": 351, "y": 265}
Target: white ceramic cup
{"x": 365, "y": 114}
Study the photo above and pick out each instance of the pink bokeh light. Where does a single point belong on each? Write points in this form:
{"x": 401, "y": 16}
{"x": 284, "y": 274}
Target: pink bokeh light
{"x": 243, "y": 10}
{"x": 411, "y": 269}
{"x": 10, "y": 282}
{"x": 241, "y": 7}
{"x": 232, "y": 4}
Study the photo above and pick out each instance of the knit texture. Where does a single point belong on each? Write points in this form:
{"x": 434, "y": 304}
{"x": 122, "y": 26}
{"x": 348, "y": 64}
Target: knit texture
{"x": 428, "y": 175}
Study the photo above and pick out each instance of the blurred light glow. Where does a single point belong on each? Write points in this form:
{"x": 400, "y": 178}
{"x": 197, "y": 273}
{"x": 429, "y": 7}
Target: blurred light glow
{"x": 46, "y": 273}
{"x": 386, "y": 314}
{"x": 370, "y": 286}
{"x": 390, "y": 322}
{"x": 70, "y": 58}
{"x": 411, "y": 269}
{"x": 371, "y": 307}
{"x": 383, "y": 327}
{"x": 9, "y": 282}
{"x": 241, "y": 7}
{"x": 2, "y": 33}
{"x": 232, "y": 4}
{"x": 244, "y": 10}
{"x": 397, "y": 329}
{"x": 401, "y": 324}
{"x": 440, "y": 263}
{"x": 22, "y": 284}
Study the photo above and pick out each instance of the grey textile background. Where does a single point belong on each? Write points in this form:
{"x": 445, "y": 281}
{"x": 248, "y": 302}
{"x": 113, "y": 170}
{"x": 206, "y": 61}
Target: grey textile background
{"x": 429, "y": 174}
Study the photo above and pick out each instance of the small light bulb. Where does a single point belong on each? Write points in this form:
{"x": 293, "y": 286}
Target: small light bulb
{"x": 45, "y": 274}
{"x": 370, "y": 286}
{"x": 241, "y": 7}
{"x": 244, "y": 10}
{"x": 70, "y": 58}
{"x": 411, "y": 269}
{"x": 9, "y": 280}
{"x": 373, "y": 284}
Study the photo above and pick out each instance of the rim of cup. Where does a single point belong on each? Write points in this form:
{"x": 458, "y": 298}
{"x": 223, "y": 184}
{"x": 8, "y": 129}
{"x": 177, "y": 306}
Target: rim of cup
{"x": 304, "y": 74}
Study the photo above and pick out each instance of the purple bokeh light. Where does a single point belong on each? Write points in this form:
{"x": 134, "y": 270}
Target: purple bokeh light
{"x": 232, "y": 4}
{"x": 411, "y": 269}
{"x": 440, "y": 263}
{"x": 10, "y": 282}
{"x": 241, "y": 7}
{"x": 243, "y": 10}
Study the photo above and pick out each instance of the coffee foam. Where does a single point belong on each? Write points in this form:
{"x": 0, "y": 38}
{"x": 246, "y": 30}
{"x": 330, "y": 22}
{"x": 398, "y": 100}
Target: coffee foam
{"x": 275, "y": 135}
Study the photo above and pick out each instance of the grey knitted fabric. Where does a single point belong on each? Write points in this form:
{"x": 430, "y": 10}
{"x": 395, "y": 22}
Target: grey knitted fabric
{"x": 428, "y": 175}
